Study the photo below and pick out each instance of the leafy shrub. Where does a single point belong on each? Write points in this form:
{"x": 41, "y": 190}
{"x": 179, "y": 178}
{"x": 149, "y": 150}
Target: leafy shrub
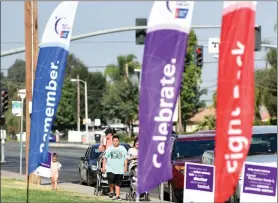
{"x": 125, "y": 138}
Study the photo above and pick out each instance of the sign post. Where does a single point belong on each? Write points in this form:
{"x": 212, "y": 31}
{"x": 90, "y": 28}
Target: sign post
{"x": 22, "y": 94}
{"x": 259, "y": 183}
{"x": 199, "y": 183}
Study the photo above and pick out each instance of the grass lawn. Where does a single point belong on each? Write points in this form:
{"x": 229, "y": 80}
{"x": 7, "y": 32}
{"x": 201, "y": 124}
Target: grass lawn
{"x": 15, "y": 191}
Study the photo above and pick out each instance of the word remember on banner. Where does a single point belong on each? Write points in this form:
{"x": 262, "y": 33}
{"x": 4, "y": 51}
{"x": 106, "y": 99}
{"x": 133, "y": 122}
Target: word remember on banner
{"x": 198, "y": 183}
{"x": 259, "y": 183}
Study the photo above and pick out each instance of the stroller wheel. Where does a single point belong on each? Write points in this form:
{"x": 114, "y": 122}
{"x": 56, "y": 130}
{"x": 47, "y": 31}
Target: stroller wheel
{"x": 95, "y": 191}
{"x": 100, "y": 192}
{"x": 147, "y": 197}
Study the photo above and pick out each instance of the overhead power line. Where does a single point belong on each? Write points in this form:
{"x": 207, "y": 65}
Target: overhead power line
{"x": 105, "y": 66}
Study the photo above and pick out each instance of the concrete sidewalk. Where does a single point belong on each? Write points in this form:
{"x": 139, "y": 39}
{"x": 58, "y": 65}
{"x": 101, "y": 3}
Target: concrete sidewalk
{"x": 66, "y": 186}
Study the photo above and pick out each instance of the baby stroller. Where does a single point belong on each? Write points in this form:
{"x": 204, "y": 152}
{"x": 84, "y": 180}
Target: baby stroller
{"x": 131, "y": 195}
{"x": 102, "y": 182}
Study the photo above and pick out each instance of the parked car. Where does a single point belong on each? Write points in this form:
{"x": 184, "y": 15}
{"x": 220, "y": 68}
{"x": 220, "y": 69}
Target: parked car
{"x": 263, "y": 149}
{"x": 186, "y": 148}
{"x": 52, "y": 138}
{"x": 206, "y": 132}
{"x": 88, "y": 165}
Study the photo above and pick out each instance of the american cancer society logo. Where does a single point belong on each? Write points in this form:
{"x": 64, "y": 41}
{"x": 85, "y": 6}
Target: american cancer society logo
{"x": 181, "y": 8}
{"x": 62, "y": 28}
{"x": 181, "y": 12}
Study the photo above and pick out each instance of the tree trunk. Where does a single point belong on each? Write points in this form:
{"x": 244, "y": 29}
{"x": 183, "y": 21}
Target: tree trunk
{"x": 129, "y": 132}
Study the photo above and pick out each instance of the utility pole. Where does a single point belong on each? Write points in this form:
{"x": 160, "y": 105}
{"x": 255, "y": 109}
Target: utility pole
{"x": 78, "y": 104}
{"x": 31, "y": 55}
{"x": 126, "y": 80}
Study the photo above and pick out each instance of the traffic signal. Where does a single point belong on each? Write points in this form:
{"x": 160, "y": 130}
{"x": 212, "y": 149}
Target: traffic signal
{"x": 258, "y": 38}
{"x": 4, "y": 101}
{"x": 2, "y": 121}
{"x": 198, "y": 55}
{"x": 140, "y": 35}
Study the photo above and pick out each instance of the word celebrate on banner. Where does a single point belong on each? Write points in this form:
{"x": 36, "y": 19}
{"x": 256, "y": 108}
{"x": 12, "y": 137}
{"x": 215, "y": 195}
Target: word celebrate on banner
{"x": 198, "y": 183}
{"x": 259, "y": 183}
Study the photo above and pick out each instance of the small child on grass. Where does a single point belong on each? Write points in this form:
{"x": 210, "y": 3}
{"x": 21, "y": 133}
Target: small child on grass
{"x": 54, "y": 169}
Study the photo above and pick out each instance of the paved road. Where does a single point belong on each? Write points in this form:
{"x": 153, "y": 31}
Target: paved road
{"x": 68, "y": 157}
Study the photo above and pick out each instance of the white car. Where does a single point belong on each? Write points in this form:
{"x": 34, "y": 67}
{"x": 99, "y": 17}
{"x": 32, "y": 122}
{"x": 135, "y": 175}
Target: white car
{"x": 263, "y": 149}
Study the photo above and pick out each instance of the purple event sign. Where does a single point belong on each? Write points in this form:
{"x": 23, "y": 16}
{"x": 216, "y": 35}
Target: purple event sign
{"x": 48, "y": 163}
{"x": 161, "y": 77}
{"x": 199, "y": 177}
{"x": 260, "y": 180}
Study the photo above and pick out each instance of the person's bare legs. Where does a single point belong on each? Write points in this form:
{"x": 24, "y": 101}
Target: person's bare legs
{"x": 55, "y": 182}
{"x": 111, "y": 188}
{"x": 52, "y": 183}
{"x": 117, "y": 188}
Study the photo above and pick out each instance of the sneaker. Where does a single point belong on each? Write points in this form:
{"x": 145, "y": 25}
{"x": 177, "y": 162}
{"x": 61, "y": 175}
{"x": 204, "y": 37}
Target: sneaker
{"x": 117, "y": 198}
{"x": 111, "y": 195}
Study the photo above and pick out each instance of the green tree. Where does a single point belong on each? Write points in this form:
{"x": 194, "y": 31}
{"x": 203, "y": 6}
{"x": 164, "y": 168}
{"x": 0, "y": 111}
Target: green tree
{"x": 75, "y": 67}
{"x": 190, "y": 90}
{"x": 66, "y": 113}
{"x": 266, "y": 85}
{"x": 96, "y": 89}
{"x": 118, "y": 72}
{"x": 209, "y": 123}
{"x": 121, "y": 101}
{"x": 122, "y": 95}
{"x": 16, "y": 73}
{"x": 214, "y": 99}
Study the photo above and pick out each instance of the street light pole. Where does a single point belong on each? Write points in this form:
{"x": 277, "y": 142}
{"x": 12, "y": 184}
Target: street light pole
{"x": 86, "y": 104}
{"x": 78, "y": 104}
{"x": 86, "y": 109}
{"x": 22, "y": 94}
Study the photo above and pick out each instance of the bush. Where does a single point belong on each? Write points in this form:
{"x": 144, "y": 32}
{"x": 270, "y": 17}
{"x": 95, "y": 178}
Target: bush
{"x": 125, "y": 138}
{"x": 273, "y": 121}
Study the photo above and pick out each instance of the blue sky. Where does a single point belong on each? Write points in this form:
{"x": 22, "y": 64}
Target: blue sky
{"x": 102, "y": 50}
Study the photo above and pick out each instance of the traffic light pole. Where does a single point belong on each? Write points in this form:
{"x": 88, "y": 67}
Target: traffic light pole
{"x": 105, "y": 32}
{"x": 115, "y": 30}
{"x": 3, "y": 137}
{"x": 3, "y": 151}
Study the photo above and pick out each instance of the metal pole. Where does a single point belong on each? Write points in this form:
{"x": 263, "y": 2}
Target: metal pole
{"x": 2, "y": 150}
{"x": 180, "y": 128}
{"x": 86, "y": 110}
{"x": 161, "y": 192}
{"x": 21, "y": 132}
{"x": 104, "y": 32}
{"x": 78, "y": 104}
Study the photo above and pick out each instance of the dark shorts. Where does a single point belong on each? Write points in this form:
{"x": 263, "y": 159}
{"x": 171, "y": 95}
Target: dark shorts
{"x": 115, "y": 179}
